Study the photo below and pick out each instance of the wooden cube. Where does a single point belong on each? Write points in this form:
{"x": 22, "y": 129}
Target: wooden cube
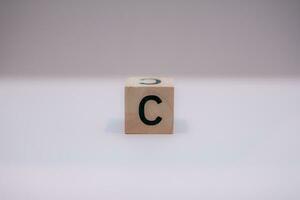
{"x": 149, "y": 105}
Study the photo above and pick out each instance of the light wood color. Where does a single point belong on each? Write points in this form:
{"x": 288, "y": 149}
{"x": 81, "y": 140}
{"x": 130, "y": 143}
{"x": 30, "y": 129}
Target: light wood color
{"x": 138, "y": 90}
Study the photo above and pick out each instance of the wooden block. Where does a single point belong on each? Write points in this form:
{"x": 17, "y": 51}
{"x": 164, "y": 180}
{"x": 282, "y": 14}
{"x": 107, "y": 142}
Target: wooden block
{"x": 149, "y": 105}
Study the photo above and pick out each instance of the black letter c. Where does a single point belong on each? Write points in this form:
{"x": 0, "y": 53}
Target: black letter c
{"x": 142, "y": 110}
{"x": 156, "y": 81}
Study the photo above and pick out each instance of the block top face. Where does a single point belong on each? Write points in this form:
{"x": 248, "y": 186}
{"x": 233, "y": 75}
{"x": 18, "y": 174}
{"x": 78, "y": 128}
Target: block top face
{"x": 149, "y": 82}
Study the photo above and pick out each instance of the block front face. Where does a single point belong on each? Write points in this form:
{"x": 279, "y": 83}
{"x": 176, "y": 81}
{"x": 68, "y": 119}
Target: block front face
{"x": 149, "y": 108}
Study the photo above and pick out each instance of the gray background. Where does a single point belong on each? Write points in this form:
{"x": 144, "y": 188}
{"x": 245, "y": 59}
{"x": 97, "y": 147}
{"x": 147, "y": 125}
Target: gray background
{"x": 195, "y": 38}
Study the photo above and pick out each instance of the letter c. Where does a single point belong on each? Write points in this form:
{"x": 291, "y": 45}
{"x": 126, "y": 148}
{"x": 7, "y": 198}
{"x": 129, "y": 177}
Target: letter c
{"x": 156, "y": 81}
{"x": 142, "y": 110}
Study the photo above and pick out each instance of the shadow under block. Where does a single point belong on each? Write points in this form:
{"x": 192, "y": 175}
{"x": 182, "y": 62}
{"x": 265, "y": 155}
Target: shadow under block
{"x": 149, "y": 105}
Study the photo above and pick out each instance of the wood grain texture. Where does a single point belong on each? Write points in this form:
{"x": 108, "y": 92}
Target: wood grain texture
{"x": 135, "y": 92}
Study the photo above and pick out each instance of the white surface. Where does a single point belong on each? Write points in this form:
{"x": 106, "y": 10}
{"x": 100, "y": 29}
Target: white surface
{"x": 234, "y": 139}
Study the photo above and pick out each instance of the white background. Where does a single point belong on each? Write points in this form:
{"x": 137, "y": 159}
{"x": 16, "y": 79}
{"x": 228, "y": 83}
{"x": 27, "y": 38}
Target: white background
{"x": 63, "y": 64}
{"x": 234, "y": 139}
